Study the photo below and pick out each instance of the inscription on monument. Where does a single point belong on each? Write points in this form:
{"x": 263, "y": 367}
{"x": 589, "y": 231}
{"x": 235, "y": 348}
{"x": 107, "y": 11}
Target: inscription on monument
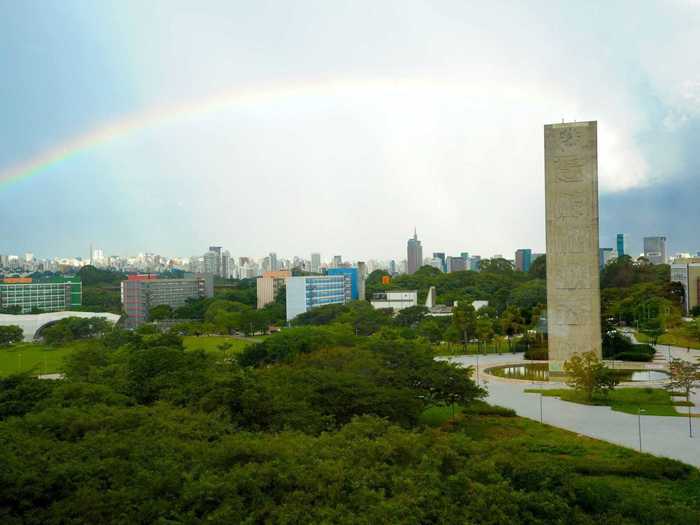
{"x": 568, "y": 168}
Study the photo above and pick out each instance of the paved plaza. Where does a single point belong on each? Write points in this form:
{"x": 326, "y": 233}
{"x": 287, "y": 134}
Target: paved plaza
{"x": 662, "y": 436}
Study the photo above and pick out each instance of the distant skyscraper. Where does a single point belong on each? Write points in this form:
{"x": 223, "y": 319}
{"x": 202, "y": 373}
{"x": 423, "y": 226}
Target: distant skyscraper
{"x": 315, "y": 262}
{"x": 523, "y": 259}
{"x": 217, "y": 262}
{"x": 443, "y": 263}
{"x": 622, "y": 247}
{"x": 436, "y": 263}
{"x": 655, "y": 249}
{"x": 226, "y": 266}
{"x": 475, "y": 263}
{"x": 456, "y": 264}
{"x": 361, "y": 283}
{"x": 274, "y": 265}
{"x": 337, "y": 261}
{"x": 212, "y": 263}
{"x": 392, "y": 267}
{"x": 414, "y": 259}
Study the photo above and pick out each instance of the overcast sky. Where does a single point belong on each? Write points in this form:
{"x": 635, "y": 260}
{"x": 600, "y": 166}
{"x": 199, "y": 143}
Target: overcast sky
{"x": 378, "y": 116}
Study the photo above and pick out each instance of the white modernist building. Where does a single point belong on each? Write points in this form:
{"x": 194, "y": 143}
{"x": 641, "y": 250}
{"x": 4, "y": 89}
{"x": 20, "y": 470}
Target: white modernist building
{"x": 397, "y": 300}
{"x": 32, "y": 323}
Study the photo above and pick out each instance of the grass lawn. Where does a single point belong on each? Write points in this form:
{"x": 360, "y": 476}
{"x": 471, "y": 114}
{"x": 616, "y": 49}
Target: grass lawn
{"x": 210, "y": 343}
{"x": 43, "y": 359}
{"x": 674, "y": 337}
{"x": 35, "y": 357}
{"x": 437, "y": 415}
{"x": 655, "y": 401}
{"x": 605, "y": 476}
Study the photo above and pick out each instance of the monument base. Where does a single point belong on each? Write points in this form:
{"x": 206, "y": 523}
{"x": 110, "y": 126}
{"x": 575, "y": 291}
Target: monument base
{"x": 556, "y": 370}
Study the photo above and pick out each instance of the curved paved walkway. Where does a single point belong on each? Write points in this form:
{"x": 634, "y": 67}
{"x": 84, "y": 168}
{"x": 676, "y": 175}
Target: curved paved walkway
{"x": 662, "y": 436}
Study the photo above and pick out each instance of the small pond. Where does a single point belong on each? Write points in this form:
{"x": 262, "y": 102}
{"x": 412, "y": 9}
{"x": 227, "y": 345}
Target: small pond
{"x": 540, "y": 372}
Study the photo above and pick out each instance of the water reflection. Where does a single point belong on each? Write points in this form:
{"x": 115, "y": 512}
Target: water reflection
{"x": 540, "y": 372}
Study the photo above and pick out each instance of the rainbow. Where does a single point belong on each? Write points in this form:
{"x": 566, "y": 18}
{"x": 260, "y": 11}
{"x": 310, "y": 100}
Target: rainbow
{"x": 240, "y": 97}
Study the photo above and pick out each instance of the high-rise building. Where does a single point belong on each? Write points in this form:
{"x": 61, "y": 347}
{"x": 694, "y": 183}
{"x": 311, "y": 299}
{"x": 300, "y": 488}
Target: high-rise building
{"x": 687, "y": 272}
{"x": 315, "y": 262}
{"x": 523, "y": 259}
{"x": 621, "y": 242}
{"x": 269, "y": 284}
{"x": 307, "y": 292}
{"x": 392, "y": 267}
{"x": 443, "y": 262}
{"x": 362, "y": 271}
{"x": 51, "y": 294}
{"x": 414, "y": 258}
{"x": 475, "y": 263}
{"x": 456, "y": 264}
{"x": 140, "y": 293}
{"x": 216, "y": 262}
{"x": 435, "y": 263}
{"x": 211, "y": 263}
{"x": 655, "y": 249}
{"x": 274, "y": 265}
{"x": 226, "y": 268}
{"x": 337, "y": 261}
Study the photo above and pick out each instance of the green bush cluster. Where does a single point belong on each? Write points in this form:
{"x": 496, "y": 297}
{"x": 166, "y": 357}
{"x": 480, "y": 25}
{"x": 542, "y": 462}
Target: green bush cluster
{"x": 620, "y": 347}
{"x": 316, "y": 425}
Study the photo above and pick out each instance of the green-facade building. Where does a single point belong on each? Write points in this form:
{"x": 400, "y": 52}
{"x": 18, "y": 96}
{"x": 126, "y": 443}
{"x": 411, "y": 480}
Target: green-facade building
{"x": 51, "y": 294}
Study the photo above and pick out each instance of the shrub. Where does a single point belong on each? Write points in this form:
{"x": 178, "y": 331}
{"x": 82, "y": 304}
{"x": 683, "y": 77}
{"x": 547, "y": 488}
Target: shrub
{"x": 644, "y": 348}
{"x": 634, "y": 356}
{"x": 615, "y": 343}
{"x": 482, "y": 408}
{"x": 537, "y": 354}
{"x": 10, "y": 334}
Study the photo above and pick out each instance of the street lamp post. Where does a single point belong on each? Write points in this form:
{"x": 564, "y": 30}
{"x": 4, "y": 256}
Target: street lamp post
{"x": 639, "y": 426}
{"x": 690, "y": 423}
{"x": 478, "y": 382}
{"x": 541, "y": 418}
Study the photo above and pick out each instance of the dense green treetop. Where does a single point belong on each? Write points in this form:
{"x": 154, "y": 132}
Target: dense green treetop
{"x": 326, "y": 428}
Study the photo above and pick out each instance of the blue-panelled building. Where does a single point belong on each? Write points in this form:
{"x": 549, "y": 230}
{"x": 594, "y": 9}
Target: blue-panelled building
{"x": 621, "y": 241}
{"x": 305, "y": 293}
{"x": 523, "y": 259}
{"x": 354, "y": 279}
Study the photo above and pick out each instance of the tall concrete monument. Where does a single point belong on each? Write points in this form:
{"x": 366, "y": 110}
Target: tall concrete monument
{"x": 573, "y": 281}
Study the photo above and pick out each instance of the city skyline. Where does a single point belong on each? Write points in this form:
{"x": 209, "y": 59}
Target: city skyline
{"x": 633, "y": 247}
{"x": 157, "y": 143}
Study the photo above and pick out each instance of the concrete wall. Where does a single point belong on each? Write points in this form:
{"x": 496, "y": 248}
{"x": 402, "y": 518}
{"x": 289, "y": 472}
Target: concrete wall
{"x": 296, "y": 297}
{"x": 573, "y": 281}
{"x": 31, "y": 323}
